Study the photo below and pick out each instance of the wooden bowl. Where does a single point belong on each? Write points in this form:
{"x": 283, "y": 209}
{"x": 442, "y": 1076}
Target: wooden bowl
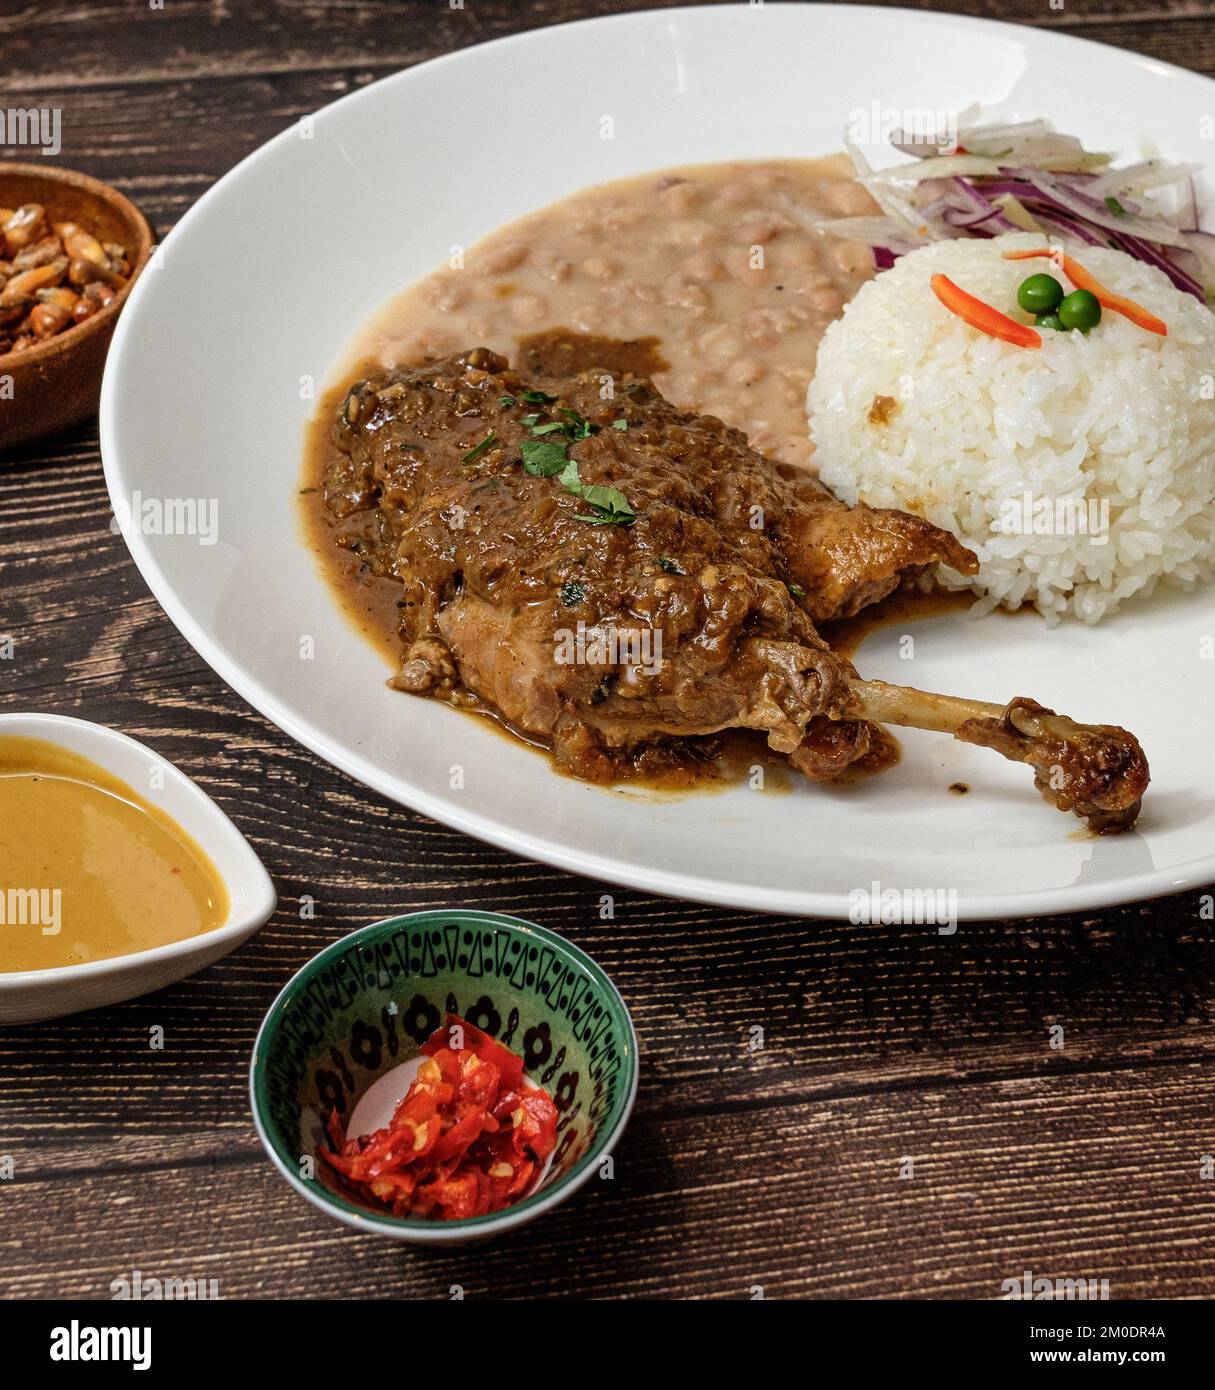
{"x": 50, "y": 387}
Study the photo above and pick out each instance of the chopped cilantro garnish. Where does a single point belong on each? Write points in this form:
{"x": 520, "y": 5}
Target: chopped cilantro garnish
{"x": 485, "y": 445}
{"x": 574, "y": 428}
{"x": 1115, "y": 207}
{"x": 572, "y": 593}
{"x": 579, "y": 427}
{"x": 610, "y": 506}
{"x": 543, "y": 459}
{"x": 609, "y": 516}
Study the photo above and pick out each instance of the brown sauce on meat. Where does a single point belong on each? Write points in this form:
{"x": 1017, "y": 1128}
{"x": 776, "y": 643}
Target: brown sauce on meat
{"x": 698, "y": 767}
{"x": 371, "y": 602}
{"x": 884, "y": 751}
{"x": 344, "y": 549}
{"x": 905, "y": 605}
{"x": 561, "y": 352}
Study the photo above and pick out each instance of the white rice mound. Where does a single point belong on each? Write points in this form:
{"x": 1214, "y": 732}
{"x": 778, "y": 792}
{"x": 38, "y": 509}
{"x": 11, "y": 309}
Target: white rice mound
{"x": 1017, "y": 451}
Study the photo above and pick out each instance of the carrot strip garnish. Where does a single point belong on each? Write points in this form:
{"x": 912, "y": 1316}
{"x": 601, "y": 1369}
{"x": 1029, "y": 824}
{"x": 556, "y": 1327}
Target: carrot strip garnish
{"x": 982, "y": 316}
{"x": 1031, "y": 253}
{"x": 1085, "y": 280}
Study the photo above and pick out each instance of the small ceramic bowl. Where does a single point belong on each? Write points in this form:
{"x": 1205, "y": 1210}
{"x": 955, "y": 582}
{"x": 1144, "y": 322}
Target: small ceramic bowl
{"x": 57, "y": 384}
{"x": 362, "y": 1009}
{"x": 31, "y": 996}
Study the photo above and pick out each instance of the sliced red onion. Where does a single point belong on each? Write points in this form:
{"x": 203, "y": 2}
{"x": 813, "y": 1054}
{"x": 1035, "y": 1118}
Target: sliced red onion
{"x": 951, "y": 192}
{"x": 972, "y": 210}
{"x": 1042, "y": 209}
{"x": 1126, "y": 204}
{"x": 1199, "y": 256}
{"x": 1151, "y": 255}
{"x": 1081, "y": 205}
{"x": 1051, "y": 217}
{"x": 966, "y": 219}
{"x": 957, "y": 196}
{"x": 1018, "y": 188}
{"x": 969, "y": 205}
{"x": 989, "y": 223}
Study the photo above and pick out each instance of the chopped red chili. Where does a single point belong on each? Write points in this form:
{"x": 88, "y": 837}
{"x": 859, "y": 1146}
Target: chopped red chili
{"x": 469, "y": 1137}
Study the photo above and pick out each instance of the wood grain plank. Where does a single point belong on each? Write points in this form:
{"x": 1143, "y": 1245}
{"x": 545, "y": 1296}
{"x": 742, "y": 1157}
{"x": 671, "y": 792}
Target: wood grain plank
{"x": 812, "y": 1199}
{"x": 94, "y": 44}
{"x": 224, "y": 104}
{"x": 775, "y": 1167}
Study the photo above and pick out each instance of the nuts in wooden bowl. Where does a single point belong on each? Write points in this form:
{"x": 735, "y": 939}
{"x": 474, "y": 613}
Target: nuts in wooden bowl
{"x": 71, "y": 248}
{"x": 52, "y": 275}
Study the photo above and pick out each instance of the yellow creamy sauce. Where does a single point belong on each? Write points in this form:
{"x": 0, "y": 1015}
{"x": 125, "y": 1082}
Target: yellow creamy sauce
{"x": 88, "y": 868}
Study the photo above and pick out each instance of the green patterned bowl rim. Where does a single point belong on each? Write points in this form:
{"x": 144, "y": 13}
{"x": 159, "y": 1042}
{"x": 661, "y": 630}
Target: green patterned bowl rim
{"x": 439, "y": 1232}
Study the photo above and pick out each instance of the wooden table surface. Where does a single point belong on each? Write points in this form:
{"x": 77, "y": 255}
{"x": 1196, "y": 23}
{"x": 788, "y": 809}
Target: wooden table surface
{"x": 783, "y": 1169}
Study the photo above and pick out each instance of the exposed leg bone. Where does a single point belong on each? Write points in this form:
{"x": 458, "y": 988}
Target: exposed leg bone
{"x": 1098, "y": 771}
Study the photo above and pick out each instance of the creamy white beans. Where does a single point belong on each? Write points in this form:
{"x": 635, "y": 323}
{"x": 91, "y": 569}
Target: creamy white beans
{"x": 715, "y": 261}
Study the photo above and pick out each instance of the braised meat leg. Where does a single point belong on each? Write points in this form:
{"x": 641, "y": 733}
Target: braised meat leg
{"x": 1097, "y": 771}
{"x": 608, "y": 574}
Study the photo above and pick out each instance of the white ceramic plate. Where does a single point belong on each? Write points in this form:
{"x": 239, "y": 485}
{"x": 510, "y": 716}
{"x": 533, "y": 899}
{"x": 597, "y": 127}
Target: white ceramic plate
{"x": 269, "y": 274}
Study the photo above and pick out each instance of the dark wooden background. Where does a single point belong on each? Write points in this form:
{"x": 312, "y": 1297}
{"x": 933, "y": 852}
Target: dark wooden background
{"x": 779, "y": 1169}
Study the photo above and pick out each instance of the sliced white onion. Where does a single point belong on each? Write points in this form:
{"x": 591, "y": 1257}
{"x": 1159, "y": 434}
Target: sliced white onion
{"x": 1149, "y": 229}
{"x": 924, "y": 199}
{"x": 895, "y": 205}
{"x": 1016, "y": 212}
{"x": 1138, "y": 178}
{"x": 948, "y": 166}
{"x": 1012, "y": 130}
{"x": 1201, "y": 245}
{"x": 977, "y": 166}
{"x": 872, "y": 229}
